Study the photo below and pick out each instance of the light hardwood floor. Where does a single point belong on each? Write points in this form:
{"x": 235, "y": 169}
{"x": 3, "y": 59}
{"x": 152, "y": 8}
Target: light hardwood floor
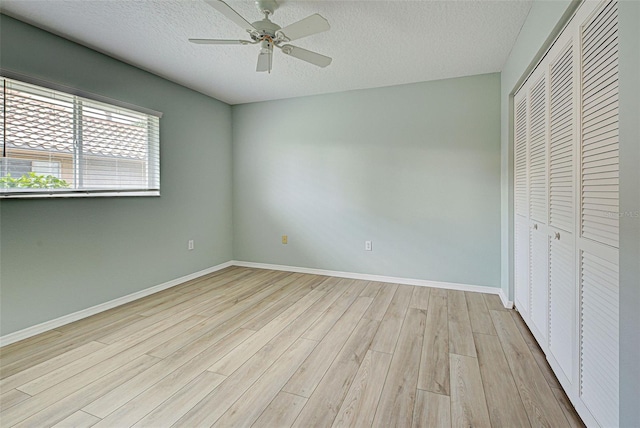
{"x": 248, "y": 347}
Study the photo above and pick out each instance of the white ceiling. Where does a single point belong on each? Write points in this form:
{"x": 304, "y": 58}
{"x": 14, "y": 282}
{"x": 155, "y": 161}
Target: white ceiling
{"x": 372, "y": 43}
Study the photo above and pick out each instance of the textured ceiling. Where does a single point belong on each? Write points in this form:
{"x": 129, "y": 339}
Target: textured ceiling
{"x": 372, "y": 43}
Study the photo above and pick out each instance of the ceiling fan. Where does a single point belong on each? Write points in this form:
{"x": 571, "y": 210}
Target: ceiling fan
{"x": 269, "y": 34}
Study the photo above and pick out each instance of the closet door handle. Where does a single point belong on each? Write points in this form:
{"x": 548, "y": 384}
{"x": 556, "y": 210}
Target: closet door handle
{"x": 557, "y": 236}
{"x": 535, "y": 226}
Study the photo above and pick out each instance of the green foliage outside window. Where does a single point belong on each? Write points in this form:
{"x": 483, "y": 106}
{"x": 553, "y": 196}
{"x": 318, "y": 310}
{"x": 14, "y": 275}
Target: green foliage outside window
{"x": 33, "y": 181}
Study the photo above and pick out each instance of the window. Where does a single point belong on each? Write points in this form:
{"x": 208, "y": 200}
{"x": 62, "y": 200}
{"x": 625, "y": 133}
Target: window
{"x": 57, "y": 143}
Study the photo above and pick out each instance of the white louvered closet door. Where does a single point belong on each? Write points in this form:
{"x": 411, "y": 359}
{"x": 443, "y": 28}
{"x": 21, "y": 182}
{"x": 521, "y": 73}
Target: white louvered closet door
{"x": 521, "y": 149}
{"x": 538, "y": 204}
{"x": 566, "y": 209}
{"x": 522, "y": 289}
{"x": 562, "y": 145}
{"x": 598, "y": 243}
{"x": 600, "y": 128}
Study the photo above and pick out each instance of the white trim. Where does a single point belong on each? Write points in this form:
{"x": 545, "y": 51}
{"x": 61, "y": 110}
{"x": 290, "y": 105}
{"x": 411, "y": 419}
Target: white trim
{"x": 505, "y": 302}
{"x": 382, "y": 278}
{"x": 78, "y": 194}
{"x": 66, "y": 319}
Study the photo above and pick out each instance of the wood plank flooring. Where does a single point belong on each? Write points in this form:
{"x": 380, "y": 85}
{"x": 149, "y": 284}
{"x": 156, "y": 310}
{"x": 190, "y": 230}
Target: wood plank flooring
{"x": 250, "y": 347}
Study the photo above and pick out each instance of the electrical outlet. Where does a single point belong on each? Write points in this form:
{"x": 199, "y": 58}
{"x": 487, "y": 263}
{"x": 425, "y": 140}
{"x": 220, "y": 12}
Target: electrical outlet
{"x": 190, "y": 245}
{"x": 367, "y": 245}
{"x": 285, "y": 239}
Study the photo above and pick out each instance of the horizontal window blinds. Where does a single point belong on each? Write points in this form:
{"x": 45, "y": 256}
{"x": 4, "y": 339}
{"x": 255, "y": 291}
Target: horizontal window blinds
{"x": 58, "y": 143}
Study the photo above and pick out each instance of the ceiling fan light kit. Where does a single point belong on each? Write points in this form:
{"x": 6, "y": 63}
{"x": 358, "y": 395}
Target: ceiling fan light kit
{"x": 269, "y": 34}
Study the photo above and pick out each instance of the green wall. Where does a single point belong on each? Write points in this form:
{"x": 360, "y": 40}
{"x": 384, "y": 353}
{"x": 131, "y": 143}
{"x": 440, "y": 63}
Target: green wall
{"x": 399, "y": 166}
{"x": 413, "y": 168}
{"x": 60, "y": 256}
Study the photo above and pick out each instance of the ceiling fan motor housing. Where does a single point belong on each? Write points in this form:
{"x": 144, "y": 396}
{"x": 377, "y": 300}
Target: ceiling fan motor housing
{"x": 264, "y": 27}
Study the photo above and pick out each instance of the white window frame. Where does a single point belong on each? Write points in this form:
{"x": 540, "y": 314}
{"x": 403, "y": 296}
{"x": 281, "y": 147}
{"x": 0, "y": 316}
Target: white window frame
{"x": 153, "y": 169}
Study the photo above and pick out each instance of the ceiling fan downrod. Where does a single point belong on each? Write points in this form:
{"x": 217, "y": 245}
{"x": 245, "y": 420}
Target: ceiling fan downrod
{"x": 267, "y": 7}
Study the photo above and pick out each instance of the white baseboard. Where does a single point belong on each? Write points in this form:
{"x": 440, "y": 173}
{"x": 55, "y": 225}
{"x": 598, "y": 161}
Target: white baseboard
{"x": 382, "y": 278}
{"x": 66, "y": 319}
{"x": 505, "y": 301}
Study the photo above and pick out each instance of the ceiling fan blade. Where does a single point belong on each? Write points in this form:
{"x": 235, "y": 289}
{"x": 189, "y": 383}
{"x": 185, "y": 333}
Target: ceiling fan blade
{"x": 265, "y": 58}
{"x": 308, "y": 56}
{"x": 219, "y": 42}
{"x": 310, "y": 25}
{"x": 234, "y": 16}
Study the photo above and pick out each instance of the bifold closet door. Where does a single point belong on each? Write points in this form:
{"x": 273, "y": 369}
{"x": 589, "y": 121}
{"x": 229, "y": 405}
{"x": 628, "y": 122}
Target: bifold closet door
{"x": 538, "y": 204}
{"x": 599, "y": 211}
{"x": 567, "y": 209}
{"x": 521, "y": 250}
{"x": 562, "y": 170}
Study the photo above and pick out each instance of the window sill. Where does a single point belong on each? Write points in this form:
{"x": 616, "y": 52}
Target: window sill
{"x": 80, "y": 194}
